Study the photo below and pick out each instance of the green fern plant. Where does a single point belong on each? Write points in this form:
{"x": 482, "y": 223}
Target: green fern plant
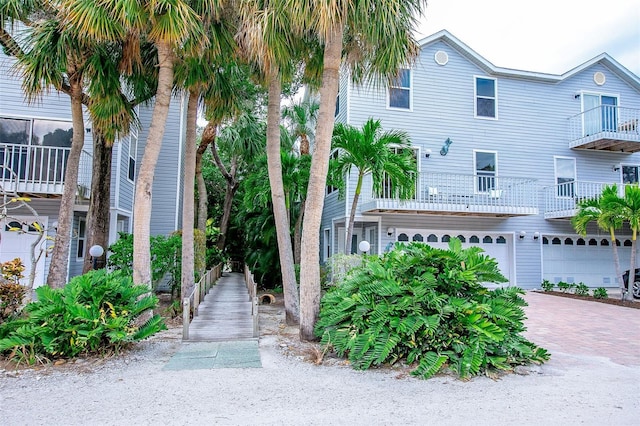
{"x": 547, "y": 285}
{"x": 600, "y": 293}
{"x": 95, "y": 313}
{"x": 581, "y": 289}
{"x": 427, "y": 306}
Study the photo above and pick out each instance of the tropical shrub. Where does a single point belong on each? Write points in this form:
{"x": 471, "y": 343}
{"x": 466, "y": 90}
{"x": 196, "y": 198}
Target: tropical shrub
{"x": 565, "y": 287}
{"x": 427, "y": 306}
{"x": 95, "y": 313}
{"x": 600, "y": 293}
{"x": 11, "y": 292}
{"x": 581, "y": 289}
{"x": 547, "y": 285}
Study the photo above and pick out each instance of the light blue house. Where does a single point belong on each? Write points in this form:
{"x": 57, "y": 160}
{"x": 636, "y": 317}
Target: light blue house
{"x": 34, "y": 145}
{"x": 503, "y": 157}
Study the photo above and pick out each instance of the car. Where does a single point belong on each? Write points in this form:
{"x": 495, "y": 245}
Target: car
{"x": 636, "y": 282}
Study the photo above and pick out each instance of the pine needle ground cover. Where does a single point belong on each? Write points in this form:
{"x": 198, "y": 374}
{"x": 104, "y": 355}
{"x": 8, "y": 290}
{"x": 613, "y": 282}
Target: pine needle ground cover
{"x": 429, "y": 308}
{"x": 95, "y": 313}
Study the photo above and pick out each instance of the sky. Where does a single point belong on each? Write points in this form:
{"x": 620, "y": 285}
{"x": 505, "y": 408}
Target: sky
{"x": 549, "y": 36}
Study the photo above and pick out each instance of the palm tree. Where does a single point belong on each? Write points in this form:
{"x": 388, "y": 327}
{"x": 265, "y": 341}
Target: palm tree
{"x": 594, "y": 210}
{"x": 372, "y": 151}
{"x": 301, "y": 118}
{"x": 627, "y": 207}
{"x": 376, "y": 39}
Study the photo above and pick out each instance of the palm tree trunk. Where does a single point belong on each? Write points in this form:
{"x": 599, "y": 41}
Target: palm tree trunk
{"x": 310, "y": 262}
{"x": 616, "y": 261}
{"x": 188, "y": 202}
{"x": 352, "y": 214}
{"x": 99, "y": 205}
{"x": 283, "y": 231}
{"x": 60, "y": 257}
{"x": 144, "y": 185}
{"x": 632, "y": 270}
{"x": 297, "y": 234}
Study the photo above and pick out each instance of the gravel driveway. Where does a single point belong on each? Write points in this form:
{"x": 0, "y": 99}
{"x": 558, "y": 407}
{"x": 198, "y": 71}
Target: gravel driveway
{"x": 583, "y": 383}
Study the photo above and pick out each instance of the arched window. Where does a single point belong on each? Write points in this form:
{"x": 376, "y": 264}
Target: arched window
{"x": 487, "y": 240}
{"x": 501, "y": 240}
{"x": 446, "y": 238}
{"x": 627, "y": 243}
{"x": 593, "y": 242}
{"x": 15, "y": 225}
{"x": 568, "y": 242}
{"x": 580, "y": 242}
{"x": 432, "y": 238}
{"x": 461, "y": 238}
{"x": 604, "y": 242}
{"x": 474, "y": 239}
{"x": 418, "y": 237}
{"x": 403, "y": 237}
{"x": 556, "y": 241}
{"x": 545, "y": 240}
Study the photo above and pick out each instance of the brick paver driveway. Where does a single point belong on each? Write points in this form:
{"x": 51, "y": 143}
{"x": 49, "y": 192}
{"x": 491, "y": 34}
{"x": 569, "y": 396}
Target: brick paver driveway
{"x": 580, "y": 328}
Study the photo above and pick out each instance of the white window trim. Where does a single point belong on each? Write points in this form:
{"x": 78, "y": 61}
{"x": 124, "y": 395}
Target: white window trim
{"x": 81, "y": 238}
{"x": 621, "y": 176}
{"x": 389, "y": 107}
{"x": 134, "y": 157}
{"x": 475, "y": 97}
{"x": 475, "y": 169}
{"x": 599, "y": 94}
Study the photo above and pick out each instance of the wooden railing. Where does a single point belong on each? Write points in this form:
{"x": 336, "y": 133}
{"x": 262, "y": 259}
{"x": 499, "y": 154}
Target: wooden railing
{"x": 200, "y": 290}
{"x": 253, "y": 296}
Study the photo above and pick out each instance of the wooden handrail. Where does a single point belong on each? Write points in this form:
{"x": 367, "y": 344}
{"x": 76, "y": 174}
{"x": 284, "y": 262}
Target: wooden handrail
{"x": 253, "y": 297}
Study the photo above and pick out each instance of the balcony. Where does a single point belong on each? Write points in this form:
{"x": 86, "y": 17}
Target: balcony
{"x": 39, "y": 170}
{"x": 606, "y": 128}
{"x": 561, "y": 201}
{"x": 459, "y": 195}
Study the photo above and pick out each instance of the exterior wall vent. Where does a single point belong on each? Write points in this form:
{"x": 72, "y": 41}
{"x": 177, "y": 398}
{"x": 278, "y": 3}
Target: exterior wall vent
{"x": 599, "y": 78}
{"x": 441, "y": 57}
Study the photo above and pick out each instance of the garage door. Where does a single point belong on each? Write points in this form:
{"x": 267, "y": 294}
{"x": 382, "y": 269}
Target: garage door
{"x": 588, "y": 260}
{"x": 498, "y": 246}
{"x": 16, "y": 244}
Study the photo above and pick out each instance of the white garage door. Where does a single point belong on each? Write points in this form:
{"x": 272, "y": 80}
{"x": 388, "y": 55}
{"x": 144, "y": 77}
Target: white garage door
{"x": 588, "y": 260}
{"x": 498, "y": 246}
{"x": 18, "y": 245}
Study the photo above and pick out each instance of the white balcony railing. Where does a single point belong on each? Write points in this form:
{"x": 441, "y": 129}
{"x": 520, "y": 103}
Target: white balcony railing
{"x": 610, "y": 123}
{"x": 561, "y": 201}
{"x": 40, "y": 169}
{"x": 460, "y": 194}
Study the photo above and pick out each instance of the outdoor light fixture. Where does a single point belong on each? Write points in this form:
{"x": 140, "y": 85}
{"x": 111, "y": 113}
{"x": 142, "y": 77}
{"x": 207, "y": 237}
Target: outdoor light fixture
{"x": 427, "y": 153}
{"x": 364, "y": 246}
{"x": 95, "y": 252}
{"x": 390, "y": 231}
{"x": 445, "y": 147}
{"x": 522, "y": 234}
{"x": 536, "y": 235}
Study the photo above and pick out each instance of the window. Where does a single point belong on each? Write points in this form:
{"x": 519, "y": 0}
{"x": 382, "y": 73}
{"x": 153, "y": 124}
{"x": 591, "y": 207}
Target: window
{"x": 335, "y": 114}
{"x": 82, "y": 236}
{"x": 629, "y": 174}
{"x": 418, "y": 237}
{"x": 133, "y": 153}
{"x": 330, "y": 187}
{"x": 400, "y": 90}
{"x": 565, "y": 169}
{"x": 327, "y": 244}
{"x": 486, "y": 166}
{"x": 486, "y": 97}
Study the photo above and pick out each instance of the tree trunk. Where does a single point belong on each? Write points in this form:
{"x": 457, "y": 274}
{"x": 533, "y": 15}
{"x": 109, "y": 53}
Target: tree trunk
{"x": 283, "y": 230}
{"x": 208, "y": 137}
{"x": 230, "y": 191}
{"x": 144, "y": 184}
{"x": 310, "y": 262}
{"x": 352, "y": 214}
{"x": 60, "y": 257}
{"x": 304, "y": 145}
{"x": 297, "y": 234}
{"x": 188, "y": 202}
{"x": 98, "y": 216}
{"x": 632, "y": 269}
{"x": 616, "y": 262}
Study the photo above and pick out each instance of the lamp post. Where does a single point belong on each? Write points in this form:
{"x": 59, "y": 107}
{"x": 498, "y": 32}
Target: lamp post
{"x": 95, "y": 252}
{"x": 364, "y": 246}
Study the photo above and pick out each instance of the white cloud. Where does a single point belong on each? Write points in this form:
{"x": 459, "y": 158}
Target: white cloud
{"x": 550, "y": 36}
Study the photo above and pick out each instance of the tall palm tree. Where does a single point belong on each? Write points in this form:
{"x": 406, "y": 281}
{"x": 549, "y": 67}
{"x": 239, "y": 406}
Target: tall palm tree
{"x": 376, "y": 38}
{"x": 628, "y": 207}
{"x": 371, "y": 151}
{"x": 594, "y": 210}
{"x": 302, "y": 117}
{"x": 170, "y": 26}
